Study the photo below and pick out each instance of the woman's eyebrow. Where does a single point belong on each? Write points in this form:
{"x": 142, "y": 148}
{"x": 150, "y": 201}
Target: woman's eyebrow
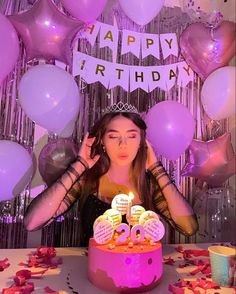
{"x": 115, "y": 131}
{"x": 112, "y": 130}
{"x": 133, "y": 130}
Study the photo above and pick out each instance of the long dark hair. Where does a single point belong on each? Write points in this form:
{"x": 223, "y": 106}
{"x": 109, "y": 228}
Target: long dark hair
{"x": 91, "y": 177}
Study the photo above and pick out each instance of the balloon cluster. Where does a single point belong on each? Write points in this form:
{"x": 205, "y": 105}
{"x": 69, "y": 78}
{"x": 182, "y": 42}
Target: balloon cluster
{"x": 48, "y": 94}
{"x": 47, "y": 34}
{"x": 208, "y": 48}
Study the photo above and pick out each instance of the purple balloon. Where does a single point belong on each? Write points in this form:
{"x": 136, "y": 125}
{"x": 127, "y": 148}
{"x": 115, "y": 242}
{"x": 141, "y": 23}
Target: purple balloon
{"x": 206, "y": 49}
{"x": 16, "y": 169}
{"x": 212, "y": 161}
{"x": 50, "y": 96}
{"x": 54, "y": 159}
{"x": 170, "y": 128}
{"x": 9, "y": 48}
{"x": 46, "y": 32}
{"x": 85, "y": 10}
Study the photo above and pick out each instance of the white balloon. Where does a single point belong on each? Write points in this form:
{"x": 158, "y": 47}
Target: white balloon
{"x": 141, "y": 11}
{"x": 218, "y": 93}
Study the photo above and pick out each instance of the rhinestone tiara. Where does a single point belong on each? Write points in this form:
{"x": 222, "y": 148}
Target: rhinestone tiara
{"x": 121, "y": 107}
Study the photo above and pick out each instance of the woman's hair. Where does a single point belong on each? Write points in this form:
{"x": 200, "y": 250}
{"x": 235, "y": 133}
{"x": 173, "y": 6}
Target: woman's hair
{"x": 91, "y": 177}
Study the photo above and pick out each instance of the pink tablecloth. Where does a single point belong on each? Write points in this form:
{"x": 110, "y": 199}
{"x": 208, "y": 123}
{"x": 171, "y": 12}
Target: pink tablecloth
{"x": 71, "y": 277}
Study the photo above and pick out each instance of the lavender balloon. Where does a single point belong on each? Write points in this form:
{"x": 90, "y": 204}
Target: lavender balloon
{"x": 9, "y": 48}
{"x": 205, "y": 49}
{"x": 141, "y": 11}
{"x": 50, "y": 97}
{"x": 85, "y": 10}
{"x": 16, "y": 169}
{"x": 170, "y": 128}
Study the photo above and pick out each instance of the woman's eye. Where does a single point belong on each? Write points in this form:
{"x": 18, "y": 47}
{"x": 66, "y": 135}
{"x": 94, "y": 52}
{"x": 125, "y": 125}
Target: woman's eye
{"x": 112, "y": 137}
{"x": 132, "y": 136}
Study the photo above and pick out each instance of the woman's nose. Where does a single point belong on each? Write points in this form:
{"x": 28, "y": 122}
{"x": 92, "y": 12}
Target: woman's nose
{"x": 122, "y": 141}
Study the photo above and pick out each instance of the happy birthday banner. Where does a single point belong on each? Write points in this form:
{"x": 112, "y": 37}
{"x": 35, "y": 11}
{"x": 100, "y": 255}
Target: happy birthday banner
{"x": 130, "y": 77}
{"x": 132, "y": 42}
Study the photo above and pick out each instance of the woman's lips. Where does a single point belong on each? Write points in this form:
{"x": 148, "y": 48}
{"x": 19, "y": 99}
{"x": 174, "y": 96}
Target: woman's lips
{"x": 123, "y": 156}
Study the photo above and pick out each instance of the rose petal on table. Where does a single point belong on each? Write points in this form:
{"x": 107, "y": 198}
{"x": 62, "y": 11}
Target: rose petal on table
{"x": 176, "y": 289}
{"x": 183, "y": 265}
{"x": 19, "y": 280}
{"x": 49, "y": 290}
{"x": 4, "y": 264}
{"x": 169, "y": 261}
{"x": 43, "y": 258}
{"x": 179, "y": 249}
{"x": 24, "y": 273}
{"x": 26, "y": 289}
{"x": 46, "y": 251}
{"x": 192, "y": 285}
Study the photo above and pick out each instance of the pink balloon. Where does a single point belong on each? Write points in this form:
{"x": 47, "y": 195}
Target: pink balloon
{"x": 46, "y": 32}
{"x": 9, "y": 48}
{"x": 85, "y": 10}
{"x": 141, "y": 11}
{"x": 212, "y": 161}
{"x": 206, "y": 49}
{"x": 16, "y": 169}
{"x": 50, "y": 96}
{"x": 170, "y": 128}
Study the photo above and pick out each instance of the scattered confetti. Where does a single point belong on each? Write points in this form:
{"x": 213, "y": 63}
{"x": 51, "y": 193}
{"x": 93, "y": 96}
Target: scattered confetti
{"x": 169, "y": 261}
{"x": 179, "y": 287}
{"x": 4, "y": 264}
{"x": 42, "y": 258}
{"x": 49, "y": 290}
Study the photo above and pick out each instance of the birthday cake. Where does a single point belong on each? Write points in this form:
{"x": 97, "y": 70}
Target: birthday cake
{"x": 126, "y": 258}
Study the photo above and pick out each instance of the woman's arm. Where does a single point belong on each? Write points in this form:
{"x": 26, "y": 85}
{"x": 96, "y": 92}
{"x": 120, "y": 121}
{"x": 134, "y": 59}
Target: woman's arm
{"x": 168, "y": 200}
{"x": 63, "y": 193}
{"x": 171, "y": 204}
{"x": 55, "y": 200}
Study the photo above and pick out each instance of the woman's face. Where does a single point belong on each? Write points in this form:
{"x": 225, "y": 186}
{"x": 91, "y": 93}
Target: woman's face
{"x": 121, "y": 139}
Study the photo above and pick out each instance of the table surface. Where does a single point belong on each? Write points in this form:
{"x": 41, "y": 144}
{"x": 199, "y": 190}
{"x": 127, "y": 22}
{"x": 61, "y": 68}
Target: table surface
{"x": 71, "y": 276}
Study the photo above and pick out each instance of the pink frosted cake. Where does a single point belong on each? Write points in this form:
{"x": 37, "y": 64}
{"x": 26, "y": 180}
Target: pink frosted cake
{"x": 125, "y": 269}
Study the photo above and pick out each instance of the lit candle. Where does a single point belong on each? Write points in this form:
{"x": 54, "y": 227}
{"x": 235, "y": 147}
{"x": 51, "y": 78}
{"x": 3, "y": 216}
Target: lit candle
{"x": 131, "y": 197}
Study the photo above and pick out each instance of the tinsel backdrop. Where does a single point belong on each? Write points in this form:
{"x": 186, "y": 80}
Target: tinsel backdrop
{"x": 16, "y": 126}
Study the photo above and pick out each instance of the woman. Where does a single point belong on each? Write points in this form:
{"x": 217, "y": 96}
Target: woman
{"x": 114, "y": 158}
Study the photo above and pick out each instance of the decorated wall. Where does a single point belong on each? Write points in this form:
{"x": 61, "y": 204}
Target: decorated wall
{"x": 174, "y": 63}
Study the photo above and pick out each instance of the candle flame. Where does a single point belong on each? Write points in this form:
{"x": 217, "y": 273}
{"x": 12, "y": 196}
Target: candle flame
{"x": 131, "y": 195}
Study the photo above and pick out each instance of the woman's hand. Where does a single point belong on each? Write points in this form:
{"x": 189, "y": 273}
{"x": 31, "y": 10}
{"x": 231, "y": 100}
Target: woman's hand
{"x": 151, "y": 156}
{"x": 85, "y": 151}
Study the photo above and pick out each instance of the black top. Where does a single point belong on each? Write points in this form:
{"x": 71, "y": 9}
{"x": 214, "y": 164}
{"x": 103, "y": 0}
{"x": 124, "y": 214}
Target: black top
{"x": 93, "y": 207}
